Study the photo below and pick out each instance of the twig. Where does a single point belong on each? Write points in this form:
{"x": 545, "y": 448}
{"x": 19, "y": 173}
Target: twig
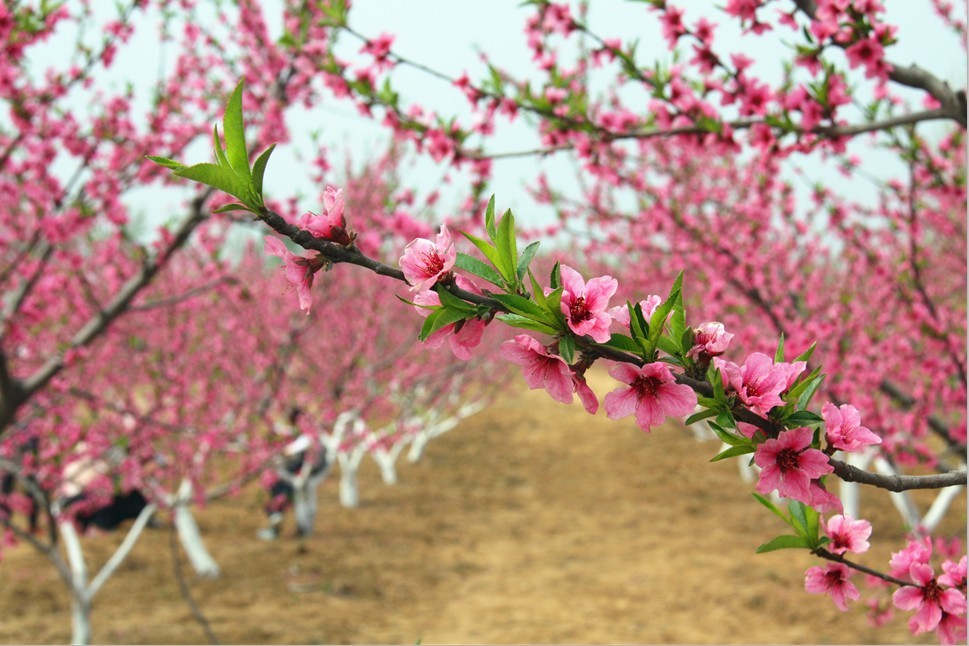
{"x": 186, "y": 593}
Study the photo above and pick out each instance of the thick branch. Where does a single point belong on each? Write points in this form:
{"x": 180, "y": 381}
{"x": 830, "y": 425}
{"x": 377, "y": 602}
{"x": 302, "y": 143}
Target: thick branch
{"x": 188, "y": 295}
{"x": 897, "y": 483}
{"x": 844, "y": 130}
{"x": 351, "y": 255}
{"x": 102, "y": 320}
{"x": 906, "y": 401}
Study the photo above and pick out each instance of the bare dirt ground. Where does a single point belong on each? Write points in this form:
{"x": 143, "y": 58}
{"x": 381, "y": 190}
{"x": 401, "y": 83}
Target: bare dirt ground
{"x": 532, "y": 522}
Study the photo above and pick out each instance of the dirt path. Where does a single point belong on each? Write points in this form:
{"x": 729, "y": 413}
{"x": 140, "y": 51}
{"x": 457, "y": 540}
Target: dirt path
{"x": 531, "y": 522}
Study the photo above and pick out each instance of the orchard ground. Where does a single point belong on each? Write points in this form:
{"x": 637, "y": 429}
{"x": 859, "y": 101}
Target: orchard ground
{"x": 532, "y": 522}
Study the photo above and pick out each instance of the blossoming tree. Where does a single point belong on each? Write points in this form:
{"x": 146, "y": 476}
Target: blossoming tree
{"x": 760, "y": 407}
{"x": 684, "y": 166}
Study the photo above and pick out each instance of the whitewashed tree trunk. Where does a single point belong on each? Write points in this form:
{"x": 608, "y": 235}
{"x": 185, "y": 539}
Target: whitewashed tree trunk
{"x": 189, "y": 535}
{"x": 80, "y": 595}
{"x": 82, "y": 592}
{"x": 386, "y": 459}
{"x": 939, "y": 506}
{"x": 417, "y": 446}
{"x": 349, "y": 464}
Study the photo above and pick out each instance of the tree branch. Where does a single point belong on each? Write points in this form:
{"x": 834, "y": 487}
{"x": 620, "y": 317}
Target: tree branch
{"x": 102, "y": 320}
{"x": 837, "y": 558}
{"x": 897, "y": 483}
{"x": 913, "y": 76}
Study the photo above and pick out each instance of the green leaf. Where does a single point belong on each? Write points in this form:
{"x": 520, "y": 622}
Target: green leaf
{"x": 637, "y": 325}
{"x": 678, "y": 320}
{"x": 438, "y": 319}
{"x": 555, "y": 279}
{"x": 725, "y": 418}
{"x": 658, "y": 321}
{"x": 732, "y": 452}
{"x": 804, "y": 418}
{"x": 220, "y": 157}
{"x": 771, "y": 506}
{"x": 515, "y": 320}
{"x": 567, "y": 348}
{"x": 779, "y": 355}
{"x": 490, "y": 252}
{"x": 702, "y": 415}
{"x": 799, "y": 519}
{"x": 812, "y": 526}
{"x": 786, "y": 542}
{"x": 686, "y": 339}
{"x": 235, "y": 136}
{"x": 667, "y": 345}
{"x": 165, "y": 161}
{"x": 524, "y": 307}
{"x": 805, "y": 397}
{"x": 490, "y": 219}
{"x": 727, "y": 437}
{"x": 478, "y": 267}
{"x": 553, "y": 305}
{"x": 217, "y": 177}
{"x": 526, "y": 259}
{"x": 716, "y": 381}
{"x": 507, "y": 247}
{"x": 259, "y": 169}
{"x": 232, "y": 207}
{"x": 452, "y": 302}
{"x": 623, "y": 343}
{"x": 537, "y": 292}
{"x": 806, "y": 355}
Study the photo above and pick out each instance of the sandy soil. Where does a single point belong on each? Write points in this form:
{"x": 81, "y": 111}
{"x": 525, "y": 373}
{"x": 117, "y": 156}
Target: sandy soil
{"x": 532, "y": 522}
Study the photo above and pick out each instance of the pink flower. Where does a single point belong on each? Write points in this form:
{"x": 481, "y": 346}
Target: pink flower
{"x": 548, "y": 371}
{"x": 462, "y": 336}
{"x": 843, "y": 429}
{"x": 710, "y": 339}
{"x": 847, "y": 535}
{"x": 869, "y": 53}
{"x": 951, "y": 629}
{"x": 788, "y": 464}
{"x": 298, "y": 270}
{"x": 929, "y": 598}
{"x": 584, "y": 304}
{"x": 918, "y": 551}
{"x": 955, "y": 573}
{"x": 759, "y": 383}
{"x": 588, "y": 398}
{"x": 833, "y": 580}
{"x": 424, "y": 263}
{"x": 653, "y": 395}
{"x": 379, "y": 48}
{"x": 621, "y": 312}
{"x": 331, "y": 224}
{"x": 823, "y": 500}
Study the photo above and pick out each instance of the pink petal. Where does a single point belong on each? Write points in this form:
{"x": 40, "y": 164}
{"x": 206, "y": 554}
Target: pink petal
{"x": 572, "y": 281}
{"x": 586, "y": 396}
{"x": 624, "y": 372}
{"x": 907, "y": 598}
{"x": 648, "y": 413}
{"x": 303, "y": 291}
{"x": 274, "y": 247}
{"x": 620, "y": 403}
{"x": 677, "y": 400}
{"x": 598, "y": 291}
{"x": 467, "y": 338}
